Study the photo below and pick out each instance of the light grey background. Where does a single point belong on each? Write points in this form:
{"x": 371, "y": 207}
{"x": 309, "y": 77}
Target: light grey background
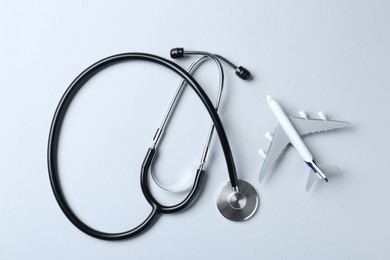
{"x": 309, "y": 55}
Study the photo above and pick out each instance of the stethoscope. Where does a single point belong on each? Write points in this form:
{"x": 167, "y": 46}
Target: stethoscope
{"x": 236, "y": 201}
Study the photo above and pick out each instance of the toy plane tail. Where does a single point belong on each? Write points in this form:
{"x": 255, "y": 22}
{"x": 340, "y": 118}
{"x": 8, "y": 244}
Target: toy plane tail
{"x": 313, "y": 176}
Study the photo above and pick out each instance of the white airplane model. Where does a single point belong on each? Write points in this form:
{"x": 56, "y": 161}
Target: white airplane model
{"x": 289, "y": 131}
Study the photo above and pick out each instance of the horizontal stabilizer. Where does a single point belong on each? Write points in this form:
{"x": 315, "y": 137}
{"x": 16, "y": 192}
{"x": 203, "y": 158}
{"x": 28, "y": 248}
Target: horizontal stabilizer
{"x": 313, "y": 176}
{"x": 311, "y": 179}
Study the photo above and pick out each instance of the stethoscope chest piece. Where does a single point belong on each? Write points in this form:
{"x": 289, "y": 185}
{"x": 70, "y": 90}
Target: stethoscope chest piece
{"x": 240, "y": 204}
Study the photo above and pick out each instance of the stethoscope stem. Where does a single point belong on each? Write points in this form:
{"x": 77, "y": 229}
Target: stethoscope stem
{"x": 173, "y": 103}
{"x": 217, "y": 59}
{"x": 219, "y": 98}
{"x": 232, "y": 175}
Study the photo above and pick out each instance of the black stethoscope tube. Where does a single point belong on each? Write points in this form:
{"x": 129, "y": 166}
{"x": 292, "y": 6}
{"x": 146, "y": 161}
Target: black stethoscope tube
{"x": 157, "y": 208}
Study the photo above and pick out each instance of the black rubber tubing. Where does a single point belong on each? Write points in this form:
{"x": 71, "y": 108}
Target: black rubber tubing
{"x": 157, "y": 208}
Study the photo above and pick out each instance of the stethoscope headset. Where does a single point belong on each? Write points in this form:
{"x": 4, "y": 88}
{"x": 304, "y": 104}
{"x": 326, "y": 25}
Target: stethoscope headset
{"x": 236, "y": 201}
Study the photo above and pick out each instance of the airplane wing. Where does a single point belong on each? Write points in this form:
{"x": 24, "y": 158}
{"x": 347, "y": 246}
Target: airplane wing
{"x": 279, "y": 143}
{"x": 310, "y": 126}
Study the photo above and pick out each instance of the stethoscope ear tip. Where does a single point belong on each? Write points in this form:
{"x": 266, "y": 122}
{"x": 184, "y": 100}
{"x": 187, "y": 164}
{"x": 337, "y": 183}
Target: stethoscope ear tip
{"x": 243, "y": 73}
{"x": 177, "y": 53}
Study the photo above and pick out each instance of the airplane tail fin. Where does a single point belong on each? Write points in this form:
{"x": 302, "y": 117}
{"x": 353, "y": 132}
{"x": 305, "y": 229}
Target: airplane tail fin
{"x": 313, "y": 177}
